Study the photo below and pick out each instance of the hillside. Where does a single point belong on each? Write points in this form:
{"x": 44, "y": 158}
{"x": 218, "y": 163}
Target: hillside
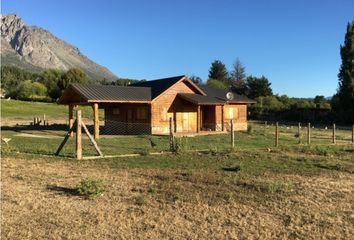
{"x": 36, "y": 49}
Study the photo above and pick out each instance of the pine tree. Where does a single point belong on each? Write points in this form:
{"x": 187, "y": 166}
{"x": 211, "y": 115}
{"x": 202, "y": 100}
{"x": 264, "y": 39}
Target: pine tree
{"x": 345, "y": 94}
{"x": 238, "y": 78}
{"x": 218, "y": 72}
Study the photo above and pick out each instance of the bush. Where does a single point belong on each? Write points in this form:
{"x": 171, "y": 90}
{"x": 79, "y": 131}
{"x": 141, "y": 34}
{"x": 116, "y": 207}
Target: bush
{"x": 28, "y": 90}
{"x": 91, "y": 188}
{"x": 249, "y": 129}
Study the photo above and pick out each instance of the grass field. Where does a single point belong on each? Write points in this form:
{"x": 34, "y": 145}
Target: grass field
{"x": 13, "y": 111}
{"x": 254, "y": 191}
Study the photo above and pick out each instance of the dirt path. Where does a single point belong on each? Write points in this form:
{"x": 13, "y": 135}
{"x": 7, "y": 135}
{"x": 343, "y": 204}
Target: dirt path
{"x": 35, "y": 205}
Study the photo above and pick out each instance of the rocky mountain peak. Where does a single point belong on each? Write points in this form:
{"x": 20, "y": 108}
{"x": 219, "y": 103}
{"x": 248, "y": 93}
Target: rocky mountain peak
{"x": 27, "y": 46}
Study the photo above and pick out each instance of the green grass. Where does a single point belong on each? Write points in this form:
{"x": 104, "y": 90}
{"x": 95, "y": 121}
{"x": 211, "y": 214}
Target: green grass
{"x": 15, "y": 109}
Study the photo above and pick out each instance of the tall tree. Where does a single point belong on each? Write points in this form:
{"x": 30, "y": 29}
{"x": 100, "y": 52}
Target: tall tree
{"x": 238, "y": 78}
{"x": 218, "y": 71}
{"x": 257, "y": 87}
{"x": 345, "y": 94}
{"x": 73, "y": 75}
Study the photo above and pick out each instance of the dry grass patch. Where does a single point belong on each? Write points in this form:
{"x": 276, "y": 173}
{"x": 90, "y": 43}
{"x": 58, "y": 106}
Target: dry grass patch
{"x": 172, "y": 204}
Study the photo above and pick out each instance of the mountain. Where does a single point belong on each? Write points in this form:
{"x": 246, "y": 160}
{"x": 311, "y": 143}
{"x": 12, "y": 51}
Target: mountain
{"x": 36, "y": 49}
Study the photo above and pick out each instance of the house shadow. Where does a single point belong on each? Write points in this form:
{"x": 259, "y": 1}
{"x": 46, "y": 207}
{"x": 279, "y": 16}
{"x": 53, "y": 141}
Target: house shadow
{"x": 63, "y": 190}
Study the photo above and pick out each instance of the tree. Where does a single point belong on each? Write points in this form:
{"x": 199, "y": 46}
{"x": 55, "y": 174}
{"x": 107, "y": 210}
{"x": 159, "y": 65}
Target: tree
{"x": 51, "y": 79}
{"x": 218, "y": 72}
{"x": 12, "y": 76}
{"x": 238, "y": 78}
{"x": 216, "y": 84}
{"x": 195, "y": 79}
{"x": 73, "y": 75}
{"x": 28, "y": 90}
{"x": 345, "y": 94}
{"x": 257, "y": 87}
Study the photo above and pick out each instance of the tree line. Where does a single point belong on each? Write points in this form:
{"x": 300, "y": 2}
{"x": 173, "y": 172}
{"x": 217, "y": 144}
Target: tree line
{"x": 257, "y": 88}
{"x": 48, "y": 85}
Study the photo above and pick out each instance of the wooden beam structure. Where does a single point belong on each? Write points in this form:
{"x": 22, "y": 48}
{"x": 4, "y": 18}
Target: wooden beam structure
{"x": 78, "y": 136}
{"x": 222, "y": 118}
{"x": 198, "y": 119}
{"x": 96, "y": 121}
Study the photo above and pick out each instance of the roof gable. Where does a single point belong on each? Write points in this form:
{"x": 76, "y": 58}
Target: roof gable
{"x": 160, "y": 86}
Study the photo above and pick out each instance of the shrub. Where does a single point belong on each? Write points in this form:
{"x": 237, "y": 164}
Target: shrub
{"x": 91, "y": 188}
{"x": 28, "y": 90}
{"x": 249, "y": 129}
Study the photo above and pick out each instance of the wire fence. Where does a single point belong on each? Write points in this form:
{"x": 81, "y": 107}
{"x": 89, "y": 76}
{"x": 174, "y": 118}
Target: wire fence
{"x": 118, "y": 137}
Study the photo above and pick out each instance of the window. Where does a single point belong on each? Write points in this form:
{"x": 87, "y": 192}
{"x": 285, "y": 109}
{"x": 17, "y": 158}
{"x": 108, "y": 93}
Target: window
{"x": 231, "y": 113}
{"x": 141, "y": 113}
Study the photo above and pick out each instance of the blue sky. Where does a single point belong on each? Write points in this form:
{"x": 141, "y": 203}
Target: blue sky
{"x": 295, "y": 44}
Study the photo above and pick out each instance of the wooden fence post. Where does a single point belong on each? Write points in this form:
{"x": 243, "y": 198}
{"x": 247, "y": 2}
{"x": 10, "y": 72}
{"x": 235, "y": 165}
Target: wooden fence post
{"x": 265, "y": 125}
{"x": 309, "y": 133}
{"x": 299, "y": 132}
{"x": 71, "y": 118}
{"x": 334, "y": 134}
{"x": 172, "y": 136}
{"x": 353, "y": 134}
{"x": 232, "y": 134}
{"x": 276, "y": 134}
{"x": 78, "y": 136}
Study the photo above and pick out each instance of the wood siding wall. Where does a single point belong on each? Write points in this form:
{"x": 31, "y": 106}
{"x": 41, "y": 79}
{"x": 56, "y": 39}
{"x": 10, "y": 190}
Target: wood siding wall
{"x": 238, "y": 113}
{"x": 169, "y": 105}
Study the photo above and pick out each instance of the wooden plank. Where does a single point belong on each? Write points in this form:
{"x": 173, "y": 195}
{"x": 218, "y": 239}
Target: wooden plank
{"x": 172, "y": 137}
{"x": 71, "y": 118}
{"x": 222, "y": 118}
{"x": 67, "y": 135}
{"x": 92, "y": 139}
{"x": 78, "y": 136}
{"x": 96, "y": 121}
{"x": 198, "y": 119}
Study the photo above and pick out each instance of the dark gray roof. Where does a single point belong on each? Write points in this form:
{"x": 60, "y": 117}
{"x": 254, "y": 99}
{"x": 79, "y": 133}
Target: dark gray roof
{"x": 108, "y": 93}
{"x": 221, "y": 94}
{"x": 158, "y": 86}
{"x": 200, "y": 99}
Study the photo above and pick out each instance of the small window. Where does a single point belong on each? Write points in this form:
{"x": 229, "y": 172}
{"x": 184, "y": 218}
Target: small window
{"x": 231, "y": 113}
{"x": 141, "y": 113}
{"x": 116, "y": 111}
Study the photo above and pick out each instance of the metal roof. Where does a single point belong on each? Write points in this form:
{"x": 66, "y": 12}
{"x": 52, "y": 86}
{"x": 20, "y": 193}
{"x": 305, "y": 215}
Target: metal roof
{"x": 158, "y": 86}
{"x": 221, "y": 94}
{"x": 109, "y": 93}
{"x": 200, "y": 99}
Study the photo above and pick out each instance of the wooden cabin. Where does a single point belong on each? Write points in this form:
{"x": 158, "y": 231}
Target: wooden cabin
{"x": 146, "y": 107}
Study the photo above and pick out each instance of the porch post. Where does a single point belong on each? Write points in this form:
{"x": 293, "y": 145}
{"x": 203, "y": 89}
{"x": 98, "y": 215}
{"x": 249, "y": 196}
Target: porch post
{"x": 222, "y": 118}
{"x": 198, "y": 119}
{"x": 96, "y": 121}
{"x": 71, "y": 118}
